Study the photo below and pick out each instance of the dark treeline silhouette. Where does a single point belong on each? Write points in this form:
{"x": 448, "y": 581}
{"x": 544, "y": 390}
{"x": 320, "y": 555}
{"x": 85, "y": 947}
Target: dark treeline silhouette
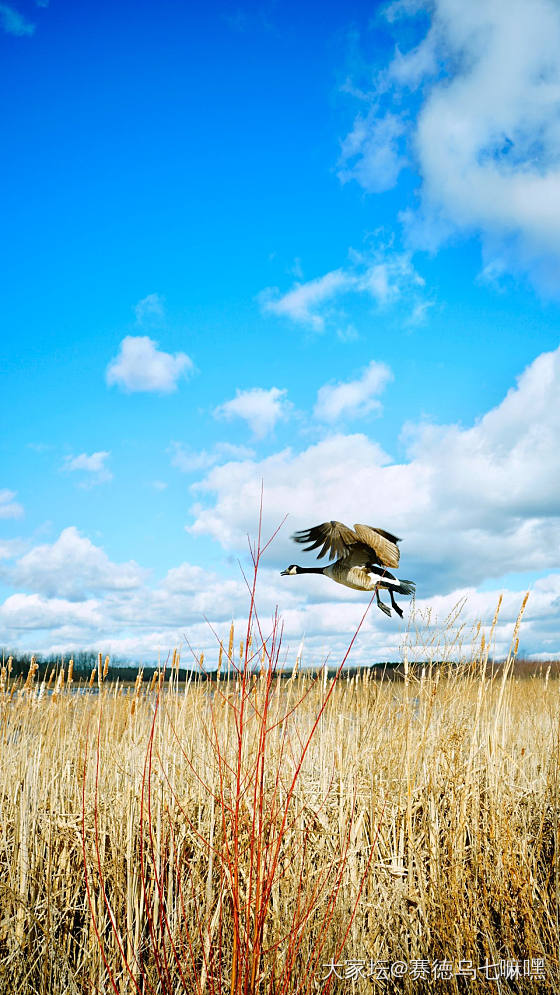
{"x": 85, "y": 661}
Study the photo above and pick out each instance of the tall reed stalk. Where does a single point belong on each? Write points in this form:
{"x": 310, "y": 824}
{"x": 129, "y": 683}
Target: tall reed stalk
{"x": 282, "y": 834}
{"x": 218, "y": 915}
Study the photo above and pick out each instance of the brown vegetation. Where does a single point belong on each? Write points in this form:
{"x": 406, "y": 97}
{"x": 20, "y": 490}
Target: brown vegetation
{"x": 245, "y": 835}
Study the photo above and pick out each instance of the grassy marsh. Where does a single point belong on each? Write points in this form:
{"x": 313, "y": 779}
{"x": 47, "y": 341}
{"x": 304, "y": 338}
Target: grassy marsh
{"x": 242, "y": 836}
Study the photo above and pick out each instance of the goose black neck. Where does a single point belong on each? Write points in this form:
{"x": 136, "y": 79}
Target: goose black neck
{"x": 310, "y": 570}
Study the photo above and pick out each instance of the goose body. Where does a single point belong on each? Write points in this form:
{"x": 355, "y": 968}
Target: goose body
{"x": 363, "y": 555}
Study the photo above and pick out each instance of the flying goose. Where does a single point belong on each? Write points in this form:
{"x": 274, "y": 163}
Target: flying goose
{"x": 363, "y": 554}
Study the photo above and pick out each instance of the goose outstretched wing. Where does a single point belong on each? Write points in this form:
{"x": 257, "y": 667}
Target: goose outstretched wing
{"x": 335, "y": 539}
{"x": 365, "y": 543}
{"x": 384, "y": 544}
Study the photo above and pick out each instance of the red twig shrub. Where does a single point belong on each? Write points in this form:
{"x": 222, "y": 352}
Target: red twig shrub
{"x": 238, "y": 888}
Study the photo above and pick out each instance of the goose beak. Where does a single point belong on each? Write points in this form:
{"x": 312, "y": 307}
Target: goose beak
{"x": 283, "y": 573}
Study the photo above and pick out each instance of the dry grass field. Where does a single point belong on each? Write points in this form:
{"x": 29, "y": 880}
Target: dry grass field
{"x": 276, "y": 835}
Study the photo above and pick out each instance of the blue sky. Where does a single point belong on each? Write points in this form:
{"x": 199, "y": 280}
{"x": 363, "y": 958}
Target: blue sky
{"x": 313, "y": 245}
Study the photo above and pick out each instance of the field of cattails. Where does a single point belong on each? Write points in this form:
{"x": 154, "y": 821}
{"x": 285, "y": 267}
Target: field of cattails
{"x": 259, "y": 834}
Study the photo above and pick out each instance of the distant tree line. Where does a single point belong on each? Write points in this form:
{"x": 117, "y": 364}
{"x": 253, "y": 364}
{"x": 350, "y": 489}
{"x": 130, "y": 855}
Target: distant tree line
{"x": 85, "y": 661}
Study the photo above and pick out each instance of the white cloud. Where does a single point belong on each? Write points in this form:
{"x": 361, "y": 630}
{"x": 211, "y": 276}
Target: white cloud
{"x": 301, "y": 303}
{"x": 94, "y": 466}
{"x": 8, "y": 507}
{"x": 472, "y": 503}
{"x": 13, "y": 22}
{"x": 150, "y": 308}
{"x": 73, "y": 567}
{"x": 145, "y": 623}
{"x": 353, "y": 398}
{"x": 388, "y": 277}
{"x": 69, "y": 595}
{"x": 419, "y": 312}
{"x": 417, "y": 64}
{"x": 371, "y": 152}
{"x": 189, "y": 460}
{"x": 32, "y": 612}
{"x": 185, "y": 578}
{"x": 141, "y": 366}
{"x": 486, "y": 135}
{"x": 10, "y": 548}
{"x": 385, "y": 276}
{"x": 327, "y": 480}
{"x": 260, "y": 408}
{"x": 74, "y": 597}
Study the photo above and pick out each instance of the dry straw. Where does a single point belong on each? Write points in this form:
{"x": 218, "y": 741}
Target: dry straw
{"x": 240, "y": 836}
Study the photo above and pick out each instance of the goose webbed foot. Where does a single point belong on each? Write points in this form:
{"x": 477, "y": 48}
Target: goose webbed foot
{"x": 384, "y": 608}
{"x": 398, "y": 610}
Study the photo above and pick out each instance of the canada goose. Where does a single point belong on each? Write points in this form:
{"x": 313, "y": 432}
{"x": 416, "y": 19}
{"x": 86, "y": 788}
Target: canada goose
{"x": 363, "y": 554}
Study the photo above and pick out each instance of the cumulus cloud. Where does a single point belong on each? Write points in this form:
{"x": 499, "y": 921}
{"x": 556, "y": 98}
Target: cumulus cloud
{"x": 353, "y": 398}
{"x": 484, "y": 133}
{"x": 8, "y": 507}
{"x": 191, "y": 606}
{"x": 94, "y": 466}
{"x": 260, "y": 408}
{"x": 34, "y": 612}
{"x": 473, "y": 503}
{"x": 73, "y": 567}
{"x": 326, "y": 480}
{"x": 141, "y": 366}
{"x": 69, "y": 595}
{"x": 10, "y": 548}
{"x": 384, "y": 276}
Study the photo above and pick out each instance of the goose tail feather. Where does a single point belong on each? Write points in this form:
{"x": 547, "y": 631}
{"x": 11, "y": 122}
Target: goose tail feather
{"x": 406, "y": 587}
